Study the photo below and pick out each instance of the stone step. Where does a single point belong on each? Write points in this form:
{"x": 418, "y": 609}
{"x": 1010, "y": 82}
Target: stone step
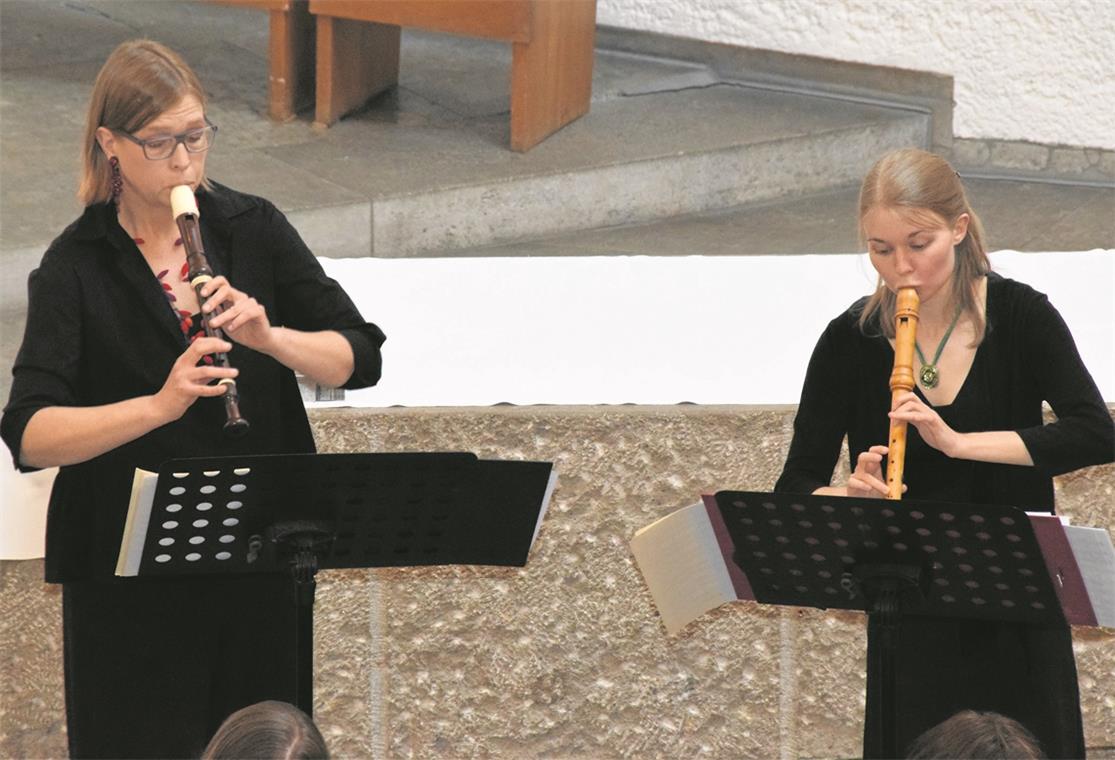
{"x": 765, "y": 146}
{"x": 1017, "y": 215}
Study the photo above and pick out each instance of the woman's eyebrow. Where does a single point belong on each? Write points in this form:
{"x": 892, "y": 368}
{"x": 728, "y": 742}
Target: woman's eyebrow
{"x": 162, "y": 129}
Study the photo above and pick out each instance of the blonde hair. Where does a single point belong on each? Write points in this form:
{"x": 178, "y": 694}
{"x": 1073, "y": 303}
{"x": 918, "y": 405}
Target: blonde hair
{"x": 140, "y": 80}
{"x": 916, "y": 183}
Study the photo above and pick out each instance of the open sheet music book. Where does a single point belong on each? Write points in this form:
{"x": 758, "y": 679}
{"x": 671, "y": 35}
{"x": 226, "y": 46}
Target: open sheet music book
{"x": 205, "y": 515}
{"x": 135, "y": 527}
{"x": 687, "y": 561}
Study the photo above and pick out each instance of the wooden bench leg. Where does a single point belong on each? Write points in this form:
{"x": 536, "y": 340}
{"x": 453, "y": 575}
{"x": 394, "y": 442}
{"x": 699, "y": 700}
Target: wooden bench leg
{"x": 292, "y": 62}
{"x": 355, "y": 60}
{"x": 551, "y": 76}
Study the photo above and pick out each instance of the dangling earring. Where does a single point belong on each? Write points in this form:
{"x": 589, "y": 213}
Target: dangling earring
{"x": 117, "y": 180}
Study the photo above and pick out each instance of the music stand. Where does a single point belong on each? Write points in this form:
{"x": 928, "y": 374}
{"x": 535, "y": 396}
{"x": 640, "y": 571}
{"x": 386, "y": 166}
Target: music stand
{"x": 300, "y": 513}
{"x": 889, "y": 559}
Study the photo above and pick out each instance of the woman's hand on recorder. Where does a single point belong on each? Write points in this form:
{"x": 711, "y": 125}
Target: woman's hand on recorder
{"x": 242, "y": 317}
{"x": 66, "y": 435}
{"x": 997, "y": 446}
{"x": 932, "y": 429}
{"x": 191, "y": 379}
{"x": 324, "y": 356}
{"x": 867, "y": 480}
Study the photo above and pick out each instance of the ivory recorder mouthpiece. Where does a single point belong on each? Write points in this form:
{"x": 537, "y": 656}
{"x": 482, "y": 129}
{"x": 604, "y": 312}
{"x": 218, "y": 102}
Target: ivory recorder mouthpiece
{"x": 182, "y": 201}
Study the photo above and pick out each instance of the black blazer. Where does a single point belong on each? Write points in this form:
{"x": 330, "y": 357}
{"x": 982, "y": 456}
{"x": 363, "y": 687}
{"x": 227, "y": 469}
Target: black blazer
{"x": 100, "y": 330}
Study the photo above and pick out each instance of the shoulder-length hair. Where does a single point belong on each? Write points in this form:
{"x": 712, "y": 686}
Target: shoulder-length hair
{"x": 140, "y": 80}
{"x": 919, "y": 184}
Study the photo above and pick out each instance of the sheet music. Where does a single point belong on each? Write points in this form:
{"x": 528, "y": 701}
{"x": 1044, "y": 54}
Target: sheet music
{"x": 681, "y": 561}
{"x": 135, "y": 528}
{"x": 1096, "y": 559}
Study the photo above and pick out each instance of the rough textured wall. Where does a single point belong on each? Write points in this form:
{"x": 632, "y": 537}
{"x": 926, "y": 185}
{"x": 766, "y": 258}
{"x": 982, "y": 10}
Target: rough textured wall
{"x": 1035, "y": 70}
{"x": 566, "y": 657}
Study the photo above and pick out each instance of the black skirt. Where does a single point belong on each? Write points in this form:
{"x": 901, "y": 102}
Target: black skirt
{"x": 1025, "y": 672}
{"x": 153, "y": 667}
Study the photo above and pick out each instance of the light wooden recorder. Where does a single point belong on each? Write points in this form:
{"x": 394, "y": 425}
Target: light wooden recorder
{"x": 901, "y": 380}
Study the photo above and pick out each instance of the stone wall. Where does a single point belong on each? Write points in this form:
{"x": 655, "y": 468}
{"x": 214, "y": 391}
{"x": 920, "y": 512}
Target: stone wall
{"x": 566, "y": 657}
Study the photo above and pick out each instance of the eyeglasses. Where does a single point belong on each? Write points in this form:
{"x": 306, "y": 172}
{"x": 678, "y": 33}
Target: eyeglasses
{"x": 163, "y": 146}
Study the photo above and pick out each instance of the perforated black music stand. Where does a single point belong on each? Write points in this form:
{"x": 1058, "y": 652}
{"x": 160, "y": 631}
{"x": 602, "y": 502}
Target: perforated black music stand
{"x": 889, "y": 559}
{"x": 300, "y": 513}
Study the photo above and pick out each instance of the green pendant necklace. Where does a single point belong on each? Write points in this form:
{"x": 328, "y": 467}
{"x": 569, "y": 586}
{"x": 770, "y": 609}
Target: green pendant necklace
{"x": 929, "y": 374}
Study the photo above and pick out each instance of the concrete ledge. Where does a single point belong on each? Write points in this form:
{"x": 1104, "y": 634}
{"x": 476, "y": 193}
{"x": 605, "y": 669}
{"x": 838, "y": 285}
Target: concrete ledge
{"x": 566, "y": 657}
{"x": 1018, "y": 159}
{"x": 922, "y": 91}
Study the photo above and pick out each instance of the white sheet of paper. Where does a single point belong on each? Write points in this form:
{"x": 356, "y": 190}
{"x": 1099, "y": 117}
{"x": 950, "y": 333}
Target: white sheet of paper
{"x": 1096, "y": 559}
{"x": 681, "y": 562}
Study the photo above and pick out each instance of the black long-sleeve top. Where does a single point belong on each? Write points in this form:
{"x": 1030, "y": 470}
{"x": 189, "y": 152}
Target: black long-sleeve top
{"x": 1027, "y": 356}
{"x": 100, "y": 330}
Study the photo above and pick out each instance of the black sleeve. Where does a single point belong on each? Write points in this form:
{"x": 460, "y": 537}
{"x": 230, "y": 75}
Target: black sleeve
{"x": 309, "y": 300}
{"x": 47, "y": 367}
{"x": 1083, "y": 433}
{"x": 822, "y": 418}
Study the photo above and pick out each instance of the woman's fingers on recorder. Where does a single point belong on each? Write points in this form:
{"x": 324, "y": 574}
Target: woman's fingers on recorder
{"x": 867, "y": 478}
{"x": 205, "y": 345}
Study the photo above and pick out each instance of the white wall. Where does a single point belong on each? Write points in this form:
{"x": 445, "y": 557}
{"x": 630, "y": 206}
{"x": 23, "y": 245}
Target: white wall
{"x": 1038, "y": 70}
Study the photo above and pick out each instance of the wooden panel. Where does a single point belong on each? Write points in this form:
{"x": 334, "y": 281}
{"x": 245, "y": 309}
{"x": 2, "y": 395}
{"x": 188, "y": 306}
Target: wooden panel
{"x": 291, "y": 55}
{"x": 494, "y": 19}
{"x": 355, "y": 61}
{"x": 551, "y": 76}
{"x": 291, "y": 77}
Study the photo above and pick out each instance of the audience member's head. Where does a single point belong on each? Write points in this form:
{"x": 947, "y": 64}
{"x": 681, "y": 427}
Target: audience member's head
{"x": 971, "y": 734}
{"x": 270, "y": 731}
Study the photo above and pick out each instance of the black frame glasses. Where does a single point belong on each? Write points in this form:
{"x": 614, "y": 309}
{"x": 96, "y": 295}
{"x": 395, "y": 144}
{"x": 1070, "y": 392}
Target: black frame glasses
{"x": 162, "y": 147}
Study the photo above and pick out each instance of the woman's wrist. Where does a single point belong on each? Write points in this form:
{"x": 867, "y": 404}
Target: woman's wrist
{"x": 155, "y": 412}
{"x": 272, "y": 343}
{"x": 957, "y": 446}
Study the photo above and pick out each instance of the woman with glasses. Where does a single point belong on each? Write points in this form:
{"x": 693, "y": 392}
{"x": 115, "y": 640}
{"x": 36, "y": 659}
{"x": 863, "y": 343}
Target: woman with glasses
{"x": 114, "y": 374}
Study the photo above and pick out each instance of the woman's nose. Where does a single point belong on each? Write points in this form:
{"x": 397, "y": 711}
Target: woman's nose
{"x": 903, "y": 262}
{"x": 180, "y": 157}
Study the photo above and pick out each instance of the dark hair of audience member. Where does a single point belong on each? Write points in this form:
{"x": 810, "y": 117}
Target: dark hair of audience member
{"x": 971, "y": 734}
{"x": 267, "y": 730}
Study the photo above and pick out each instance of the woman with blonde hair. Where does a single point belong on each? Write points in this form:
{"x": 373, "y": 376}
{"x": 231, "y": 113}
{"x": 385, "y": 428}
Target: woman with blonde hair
{"x": 990, "y": 351}
{"x": 114, "y": 374}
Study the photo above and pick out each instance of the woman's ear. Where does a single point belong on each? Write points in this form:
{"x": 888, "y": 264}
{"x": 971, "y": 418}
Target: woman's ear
{"x": 960, "y": 228}
{"x": 107, "y": 140}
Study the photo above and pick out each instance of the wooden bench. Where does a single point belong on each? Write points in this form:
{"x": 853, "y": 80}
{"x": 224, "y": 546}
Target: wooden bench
{"x": 551, "y": 60}
{"x": 291, "y": 53}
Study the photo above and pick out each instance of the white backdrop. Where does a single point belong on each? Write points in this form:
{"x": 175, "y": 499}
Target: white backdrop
{"x": 649, "y": 330}
{"x": 612, "y": 330}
